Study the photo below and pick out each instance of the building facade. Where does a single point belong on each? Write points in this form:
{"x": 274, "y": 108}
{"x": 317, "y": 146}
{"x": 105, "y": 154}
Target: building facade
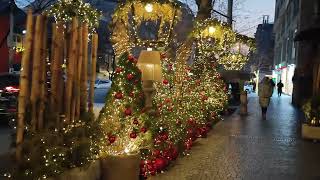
{"x": 307, "y": 76}
{"x": 261, "y": 60}
{"x": 285, "y": 54}
{"x": 15, "y": 41}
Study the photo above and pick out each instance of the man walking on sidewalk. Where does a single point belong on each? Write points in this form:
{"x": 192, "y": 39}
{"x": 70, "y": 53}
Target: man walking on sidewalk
{"x": 265, "y": 92}
{"x": 280, "y": 86}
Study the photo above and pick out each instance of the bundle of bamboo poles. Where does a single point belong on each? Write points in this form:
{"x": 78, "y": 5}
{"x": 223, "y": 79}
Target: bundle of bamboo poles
{"x": 67, "y": 96}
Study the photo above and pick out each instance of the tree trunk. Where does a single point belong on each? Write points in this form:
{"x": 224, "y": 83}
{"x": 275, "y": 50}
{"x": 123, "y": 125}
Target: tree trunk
{"x": 24, "y": 84}
{"x": 204, "y": 9}
{"x": 35, "y": 93}
{"x": 93, "y": 70}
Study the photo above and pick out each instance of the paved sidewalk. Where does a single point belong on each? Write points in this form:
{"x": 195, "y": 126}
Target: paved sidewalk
{"x": 249, "y": 148}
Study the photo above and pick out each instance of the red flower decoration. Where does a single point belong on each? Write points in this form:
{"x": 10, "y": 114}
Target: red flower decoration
{"x": 131, "y": 58}
{"x": 133, "y": 135}
{"x": 159, "y": 164}
{"x": 165, "y": 82}
{"x": 163, "y": 55}
{"x": 130, "y": 77}
{"x": 156, "y": 153}
{"x": 143, "y": 130}
{"x": 118, "y": 70}
{"x": 118, "y": 95}
{"x": 112, "y": 138}
{"x": 128, "y": 112}
{"x": 135, "y": 121}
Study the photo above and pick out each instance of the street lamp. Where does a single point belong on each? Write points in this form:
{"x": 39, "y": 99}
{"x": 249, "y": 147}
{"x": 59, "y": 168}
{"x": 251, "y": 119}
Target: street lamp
{"x": 150, "y": 66}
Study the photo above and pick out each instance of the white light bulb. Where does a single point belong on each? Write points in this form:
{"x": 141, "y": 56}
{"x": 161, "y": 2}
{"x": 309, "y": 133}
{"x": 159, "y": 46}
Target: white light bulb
{"x": 212, "y": 30}
{"x": 149, "y": 7}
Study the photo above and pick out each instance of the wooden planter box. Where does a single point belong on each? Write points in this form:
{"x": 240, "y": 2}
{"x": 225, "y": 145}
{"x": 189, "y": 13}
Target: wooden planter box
{"x": 123, "y": 167}
{"x": 85, "y": 173}
{"x": 310, "y": 132}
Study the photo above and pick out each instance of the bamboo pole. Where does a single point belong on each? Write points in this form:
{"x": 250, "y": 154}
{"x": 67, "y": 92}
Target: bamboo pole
{"x": 93, "y": 70}
{"x": 24, "y": 84}
{"x": 60, "y": 81}
{"x": 70, "y": 70}
{"x": 75, "y": 77}
{"x": 36, "y": 70}
{"x": 56, "y": 70}
{"x": 80, "y": 59}
{"x": 84, "y": 72}
{"x": 43, "y": 75}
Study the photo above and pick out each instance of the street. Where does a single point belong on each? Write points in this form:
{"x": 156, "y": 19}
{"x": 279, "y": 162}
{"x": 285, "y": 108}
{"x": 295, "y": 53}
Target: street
{"x": 250, "y": 148}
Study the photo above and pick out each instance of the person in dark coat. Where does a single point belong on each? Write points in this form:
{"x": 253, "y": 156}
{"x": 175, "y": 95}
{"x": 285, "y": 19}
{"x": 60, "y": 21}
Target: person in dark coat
{"x": 280, "y": 86}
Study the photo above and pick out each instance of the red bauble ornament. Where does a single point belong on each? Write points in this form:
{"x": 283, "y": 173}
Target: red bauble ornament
{"x": 167, "y": 100}
{"x": 128, "y": 112}
{"x": 174, "y": 153}
{"x": 133, "y": 135}
{"x": 159, "y": 164}
{"x": 135, "y": 122}
{"x": 112, "y": 139}
{"x": 163, "y": 55}
{"x": 143, "y": 130}
{"x": 131, "y": 94}
{"x": 131, "y": 58}
{"x": 130, "y": 77}
{"x": 165, "y": 82}
{"x": 118, "y": 95}
{"x": 118, "y": 70}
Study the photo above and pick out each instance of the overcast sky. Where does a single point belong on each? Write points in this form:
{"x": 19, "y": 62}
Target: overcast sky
{"x": 248, "y": 13}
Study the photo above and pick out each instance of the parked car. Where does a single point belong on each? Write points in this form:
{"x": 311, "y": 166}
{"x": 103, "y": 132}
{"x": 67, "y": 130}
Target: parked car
{"x": 9, "y": 90}
{"x": 102, "y": 87}
{"x": 102, "y": 84}
{"x": 248, "y": 88}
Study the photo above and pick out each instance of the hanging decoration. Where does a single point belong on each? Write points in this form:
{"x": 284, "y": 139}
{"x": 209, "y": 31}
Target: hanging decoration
{"x": 143, "y": 23}
{"x": 65, "y": 10}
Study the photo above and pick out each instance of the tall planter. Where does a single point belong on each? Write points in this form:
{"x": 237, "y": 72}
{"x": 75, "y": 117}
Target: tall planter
{"x": 125, "y": 167}
{"x": 92, "y": 172}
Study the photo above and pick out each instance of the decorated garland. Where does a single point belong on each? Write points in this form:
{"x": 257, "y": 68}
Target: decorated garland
{"x": 64, "y": 10}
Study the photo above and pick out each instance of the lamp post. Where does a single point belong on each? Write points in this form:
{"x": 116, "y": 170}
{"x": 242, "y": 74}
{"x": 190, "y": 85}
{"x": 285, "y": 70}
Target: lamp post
{"x": 149, "y": 64}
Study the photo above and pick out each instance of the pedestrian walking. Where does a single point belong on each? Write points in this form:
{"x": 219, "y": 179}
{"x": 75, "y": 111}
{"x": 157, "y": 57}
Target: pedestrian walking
{"x": 265, "y": 93}
{"x": 280, "y": 86}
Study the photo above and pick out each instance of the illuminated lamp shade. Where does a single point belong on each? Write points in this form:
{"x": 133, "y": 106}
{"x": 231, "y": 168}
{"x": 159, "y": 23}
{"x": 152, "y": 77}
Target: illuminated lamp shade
{"x": 212, "y": 30}
{"x": 150, "y": 66}
{"x": 149, "y": 8}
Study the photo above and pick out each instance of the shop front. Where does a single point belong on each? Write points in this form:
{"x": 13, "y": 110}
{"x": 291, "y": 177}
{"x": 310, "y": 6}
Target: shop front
{"x": 284, "y": 73}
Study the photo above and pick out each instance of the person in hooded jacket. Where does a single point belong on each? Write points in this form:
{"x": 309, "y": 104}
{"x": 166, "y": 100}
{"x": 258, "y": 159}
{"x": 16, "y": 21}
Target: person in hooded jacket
{"x": 265, "y": 93}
